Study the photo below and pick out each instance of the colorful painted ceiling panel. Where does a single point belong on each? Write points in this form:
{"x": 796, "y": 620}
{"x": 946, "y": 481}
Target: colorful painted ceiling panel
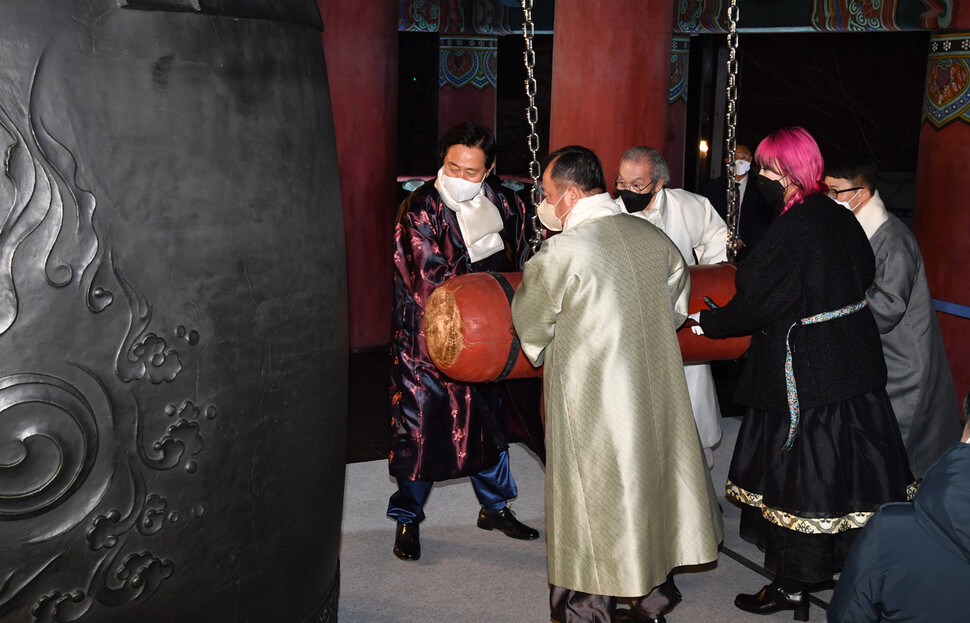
{"x": 679, "y": 58}
{"x": 947, "y": 97}
{"x": 854, "y": 15}
{"x": 711, "y": 16}
{"x": 702, "y": 15}
{"x": 937, "y": 15}
{"x": 420, "y": 16}
{"x": 481, "y": 17}
{"x": 467, "y": 61}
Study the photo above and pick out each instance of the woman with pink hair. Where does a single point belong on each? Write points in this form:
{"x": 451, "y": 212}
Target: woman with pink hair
{"x": 819, "y": 449}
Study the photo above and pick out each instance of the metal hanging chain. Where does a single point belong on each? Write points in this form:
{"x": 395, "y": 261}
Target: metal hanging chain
{"x": 532, "y": 114}
{"x": 733, "y": 207}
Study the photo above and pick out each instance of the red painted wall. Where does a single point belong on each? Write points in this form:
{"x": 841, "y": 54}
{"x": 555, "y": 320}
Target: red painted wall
{"x": 360, "y": 43}
{"x": 961, "y": 16}
{"x": 466, "y": 104}
{"x": 942, "y": 227}
{"x": 676, "y": 138}
{"x": 610, "y": 76}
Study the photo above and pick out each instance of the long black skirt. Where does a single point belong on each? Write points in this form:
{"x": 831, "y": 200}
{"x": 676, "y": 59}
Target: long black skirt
{"x": 804, "y": 506}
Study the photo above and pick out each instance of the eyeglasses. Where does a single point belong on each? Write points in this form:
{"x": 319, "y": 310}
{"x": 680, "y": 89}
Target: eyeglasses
{"x": 637, "y": 188}
{"x": 835, "y": 193}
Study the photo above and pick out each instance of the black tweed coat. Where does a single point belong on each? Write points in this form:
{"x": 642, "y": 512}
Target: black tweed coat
{"x": 814, "y": 258}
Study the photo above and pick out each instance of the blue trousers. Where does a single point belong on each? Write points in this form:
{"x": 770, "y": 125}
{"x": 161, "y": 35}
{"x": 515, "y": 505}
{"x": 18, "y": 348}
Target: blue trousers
{"x": 493, "y": 487}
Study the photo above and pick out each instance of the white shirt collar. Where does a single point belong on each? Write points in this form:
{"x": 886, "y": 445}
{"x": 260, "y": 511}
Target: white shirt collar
{"x": 589, "y": 208}
{"x": 872, "y": 214}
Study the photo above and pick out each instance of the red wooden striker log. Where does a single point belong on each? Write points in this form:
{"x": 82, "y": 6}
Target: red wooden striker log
{"x": 469, "y": 334}
{"x": 716, "y": 282}
{"x": 468, "y": 329}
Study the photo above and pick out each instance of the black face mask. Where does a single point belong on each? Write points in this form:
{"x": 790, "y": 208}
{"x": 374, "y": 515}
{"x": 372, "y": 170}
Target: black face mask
{"x": 634, "y": 202}
{"x": 772, "y": 190}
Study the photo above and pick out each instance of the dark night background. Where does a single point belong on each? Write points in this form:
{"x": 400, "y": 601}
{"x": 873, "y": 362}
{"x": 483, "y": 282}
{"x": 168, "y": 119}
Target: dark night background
{"x": 857, "y": 93}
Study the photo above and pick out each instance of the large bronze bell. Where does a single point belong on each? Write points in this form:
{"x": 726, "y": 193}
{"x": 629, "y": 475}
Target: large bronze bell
{"x": 172, "y": 313}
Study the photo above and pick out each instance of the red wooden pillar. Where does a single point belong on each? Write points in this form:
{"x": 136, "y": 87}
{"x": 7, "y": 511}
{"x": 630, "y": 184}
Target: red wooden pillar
{"x": 610, "y": 71}
{"x": 361, "y": 53}
{"x": 942, "y": 222}
{"x": 467, "y": 68}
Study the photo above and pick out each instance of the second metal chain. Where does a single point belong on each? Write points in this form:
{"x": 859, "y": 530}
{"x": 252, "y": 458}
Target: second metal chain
{"x": 733, "y": 207}
{"x": 532, "y": 114}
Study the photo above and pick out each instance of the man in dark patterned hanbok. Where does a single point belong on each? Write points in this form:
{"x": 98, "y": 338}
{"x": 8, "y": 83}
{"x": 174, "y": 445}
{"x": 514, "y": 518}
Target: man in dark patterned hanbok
{"x": 440, "y": 428}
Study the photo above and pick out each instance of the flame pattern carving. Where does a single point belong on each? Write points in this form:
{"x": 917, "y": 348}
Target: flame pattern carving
{"x": 61, "y": 429}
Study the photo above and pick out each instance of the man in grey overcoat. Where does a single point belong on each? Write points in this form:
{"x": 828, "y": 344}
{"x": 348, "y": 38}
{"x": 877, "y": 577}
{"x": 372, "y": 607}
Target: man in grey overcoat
{"x": 919, "y": 384}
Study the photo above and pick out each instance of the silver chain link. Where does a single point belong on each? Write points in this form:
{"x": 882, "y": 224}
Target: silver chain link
{"x": 733, "y": 209}
{"x": 532, "y": 114}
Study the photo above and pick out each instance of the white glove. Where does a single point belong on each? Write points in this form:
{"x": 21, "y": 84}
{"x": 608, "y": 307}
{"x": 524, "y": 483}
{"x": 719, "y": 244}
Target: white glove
{"x": 696, "y": 317}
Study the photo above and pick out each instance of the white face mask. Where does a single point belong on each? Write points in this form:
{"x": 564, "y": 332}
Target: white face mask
{"x": 461, "y": 189}
{"x": 845, "y": 204}
{"x": 741, "y": 167}
{"x": 547, "y": 215}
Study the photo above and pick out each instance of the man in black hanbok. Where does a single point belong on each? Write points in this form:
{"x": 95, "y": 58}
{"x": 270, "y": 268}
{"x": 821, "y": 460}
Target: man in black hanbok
{"x": 462, "y": 223}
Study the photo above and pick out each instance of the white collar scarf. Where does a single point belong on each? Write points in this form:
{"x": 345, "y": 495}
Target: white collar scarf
{"x": 873, "y": 214}
{"x": 588, "y": 208}
{"x": 479, "y": 221}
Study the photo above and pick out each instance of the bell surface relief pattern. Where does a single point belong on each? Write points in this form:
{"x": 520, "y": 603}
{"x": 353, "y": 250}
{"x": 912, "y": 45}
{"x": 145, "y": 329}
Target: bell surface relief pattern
{"x": 62, "y": 419}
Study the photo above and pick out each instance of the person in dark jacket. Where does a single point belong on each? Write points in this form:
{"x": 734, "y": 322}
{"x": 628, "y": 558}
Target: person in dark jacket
{"x": 912, "y": 562}
{"x": 441, "y": 428}
{"x": 819, "y": 449}
{"x": 754, "y": 214}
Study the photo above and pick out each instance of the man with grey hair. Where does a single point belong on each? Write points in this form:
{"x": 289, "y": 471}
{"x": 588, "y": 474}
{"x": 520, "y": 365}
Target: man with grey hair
{"x": 690, "y": 221}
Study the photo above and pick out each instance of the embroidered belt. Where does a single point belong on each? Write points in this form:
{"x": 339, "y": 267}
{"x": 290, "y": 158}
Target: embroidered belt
{"x": 789, "y": 371}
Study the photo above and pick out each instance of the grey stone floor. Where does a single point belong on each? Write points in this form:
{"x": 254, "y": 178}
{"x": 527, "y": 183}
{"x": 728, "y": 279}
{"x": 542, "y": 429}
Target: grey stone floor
{"x": 467, "y": 574}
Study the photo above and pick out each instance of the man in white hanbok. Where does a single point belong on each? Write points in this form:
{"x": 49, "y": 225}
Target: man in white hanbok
{"x": 628, "y": 496}
{"x": 690, "y": 221}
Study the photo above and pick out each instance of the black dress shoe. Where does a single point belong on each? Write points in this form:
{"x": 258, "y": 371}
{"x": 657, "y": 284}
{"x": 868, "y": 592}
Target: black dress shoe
{"x": 635, "y": 616}
{"x": 407, "y": 541}
{"x": 771, "y": 599}
{"x": 505, "y": 521}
